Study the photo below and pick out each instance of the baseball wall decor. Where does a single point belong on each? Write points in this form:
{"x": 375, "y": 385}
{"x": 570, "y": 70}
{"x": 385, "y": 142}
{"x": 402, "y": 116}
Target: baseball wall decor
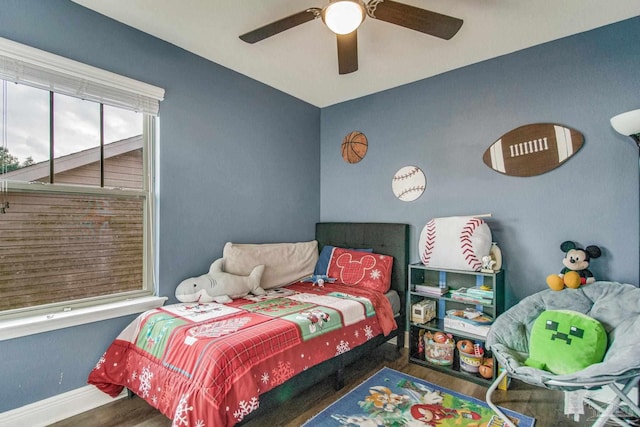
{"x": 533, "y": 149}
{"x": 354, "y": 147}
{"x": 408, "y": 183}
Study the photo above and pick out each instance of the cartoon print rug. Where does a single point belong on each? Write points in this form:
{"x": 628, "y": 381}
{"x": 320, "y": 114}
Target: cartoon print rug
{"x": 392, "y": 399}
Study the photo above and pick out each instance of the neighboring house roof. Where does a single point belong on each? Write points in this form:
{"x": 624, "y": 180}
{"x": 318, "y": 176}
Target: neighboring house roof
{"x": 40, "y": 170}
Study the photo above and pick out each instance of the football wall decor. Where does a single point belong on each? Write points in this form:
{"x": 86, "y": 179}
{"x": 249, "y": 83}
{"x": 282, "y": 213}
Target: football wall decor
{"x": 533, "y": 149}
{"x": 354, "y": 147}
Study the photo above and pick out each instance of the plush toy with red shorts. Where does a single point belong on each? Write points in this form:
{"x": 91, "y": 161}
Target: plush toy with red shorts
{"x": 575, "y": 272}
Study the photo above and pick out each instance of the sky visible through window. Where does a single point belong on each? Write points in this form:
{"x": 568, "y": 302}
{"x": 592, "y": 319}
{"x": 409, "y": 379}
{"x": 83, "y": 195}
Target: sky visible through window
{"x": 76, "y": 123}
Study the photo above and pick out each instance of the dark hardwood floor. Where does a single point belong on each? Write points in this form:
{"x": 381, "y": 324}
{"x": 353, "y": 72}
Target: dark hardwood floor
{"x": 544, "y": 405}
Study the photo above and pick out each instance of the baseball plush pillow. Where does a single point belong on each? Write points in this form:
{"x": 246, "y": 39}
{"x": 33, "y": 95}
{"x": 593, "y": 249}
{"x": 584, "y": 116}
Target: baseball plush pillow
{"x": 365, "y": 269}
{"x": 456, "y": 242}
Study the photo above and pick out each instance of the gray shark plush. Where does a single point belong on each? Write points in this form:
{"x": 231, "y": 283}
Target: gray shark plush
{"x": 219, "y": 286}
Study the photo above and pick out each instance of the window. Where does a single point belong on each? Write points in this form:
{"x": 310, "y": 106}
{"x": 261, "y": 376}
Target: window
{"x": 76, "y": 187}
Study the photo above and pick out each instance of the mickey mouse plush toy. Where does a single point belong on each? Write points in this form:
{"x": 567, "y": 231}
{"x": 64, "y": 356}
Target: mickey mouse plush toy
{"x": 575, "y": 272}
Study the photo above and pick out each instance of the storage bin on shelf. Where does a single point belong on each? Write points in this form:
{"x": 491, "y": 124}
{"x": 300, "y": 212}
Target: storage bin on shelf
{"x": 470, "y": 362}
{"x": 471, "y": 355}
{"x": 439, "y": 353}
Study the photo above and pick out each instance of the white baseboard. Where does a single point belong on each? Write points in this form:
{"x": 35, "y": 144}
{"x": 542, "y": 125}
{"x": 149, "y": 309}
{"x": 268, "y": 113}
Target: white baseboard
{"x": 57, "y": 408}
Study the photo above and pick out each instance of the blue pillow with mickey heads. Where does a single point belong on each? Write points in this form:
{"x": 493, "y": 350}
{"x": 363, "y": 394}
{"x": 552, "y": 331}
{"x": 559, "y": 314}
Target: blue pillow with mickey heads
{"x": 566, "y": 341}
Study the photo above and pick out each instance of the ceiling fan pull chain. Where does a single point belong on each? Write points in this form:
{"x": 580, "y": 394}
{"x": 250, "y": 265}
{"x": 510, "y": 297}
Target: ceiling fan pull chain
{"x": 371, "y": 7}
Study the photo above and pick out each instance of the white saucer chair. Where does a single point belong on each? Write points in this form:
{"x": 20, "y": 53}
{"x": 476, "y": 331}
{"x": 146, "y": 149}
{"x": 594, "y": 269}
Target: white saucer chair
{"x": 616, "y": 306}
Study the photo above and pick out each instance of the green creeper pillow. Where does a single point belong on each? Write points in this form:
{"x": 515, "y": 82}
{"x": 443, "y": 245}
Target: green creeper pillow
{"x": 565, "y": 341}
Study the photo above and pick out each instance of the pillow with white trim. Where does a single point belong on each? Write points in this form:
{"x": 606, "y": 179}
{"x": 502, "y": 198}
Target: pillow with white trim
{"x": 284, "y": 263}
{"x": 364, "y": 269}
{"x": 456, "y": 243}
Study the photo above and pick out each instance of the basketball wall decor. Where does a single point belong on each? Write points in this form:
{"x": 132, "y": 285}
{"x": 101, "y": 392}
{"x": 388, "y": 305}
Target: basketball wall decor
{"x": 408, "y": 183}
{"x": 354, "y": 147}
{"x": 533, "y": 149}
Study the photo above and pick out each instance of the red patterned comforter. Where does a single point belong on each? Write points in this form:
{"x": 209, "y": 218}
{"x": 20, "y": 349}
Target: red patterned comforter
{"x": 206, "y": 364}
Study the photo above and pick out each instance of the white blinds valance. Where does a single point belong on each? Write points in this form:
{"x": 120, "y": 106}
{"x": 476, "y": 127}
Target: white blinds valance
{"x": 33, "y": 67}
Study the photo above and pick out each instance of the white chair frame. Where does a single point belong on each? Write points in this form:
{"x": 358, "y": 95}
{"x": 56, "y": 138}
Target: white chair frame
{"x": 607, "y": 413}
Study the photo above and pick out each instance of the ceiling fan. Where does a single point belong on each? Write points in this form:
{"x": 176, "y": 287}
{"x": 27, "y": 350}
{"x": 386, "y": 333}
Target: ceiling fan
{"x": 343, "y": 17}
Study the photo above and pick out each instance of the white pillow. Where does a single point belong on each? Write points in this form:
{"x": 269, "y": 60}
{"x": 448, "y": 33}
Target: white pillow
{"x": 456, "y": 243}
{"x": 284, "y": 262}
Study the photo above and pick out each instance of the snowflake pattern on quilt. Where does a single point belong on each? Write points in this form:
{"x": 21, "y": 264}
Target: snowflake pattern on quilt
{"x": 245, "y": 408}
{"x": 265, "y": 378}
{"x": 281, "y": 373}
{"x": 342, "y": 347}
{"x": 368, "y": 332}
{"x": 181, "y": 417}
{"x": 145, "y": 381}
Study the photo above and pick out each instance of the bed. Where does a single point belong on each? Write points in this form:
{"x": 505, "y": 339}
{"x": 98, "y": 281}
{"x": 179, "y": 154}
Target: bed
{"x": 221, "y": 364}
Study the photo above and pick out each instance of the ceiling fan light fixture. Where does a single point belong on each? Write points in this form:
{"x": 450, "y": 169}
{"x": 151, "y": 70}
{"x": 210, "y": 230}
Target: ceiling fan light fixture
{"x": 343, "y": 16}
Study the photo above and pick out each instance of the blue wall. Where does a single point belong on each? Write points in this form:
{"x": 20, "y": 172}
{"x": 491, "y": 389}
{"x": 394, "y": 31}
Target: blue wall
{"x": 444, "y": 124}
{"x": 238, "y": 161}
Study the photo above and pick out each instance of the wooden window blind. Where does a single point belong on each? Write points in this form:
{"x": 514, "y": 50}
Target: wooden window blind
{"x": 60, "y": 248}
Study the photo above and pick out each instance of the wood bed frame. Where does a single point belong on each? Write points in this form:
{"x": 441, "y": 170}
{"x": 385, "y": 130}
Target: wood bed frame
{"x": 384, "y": 238}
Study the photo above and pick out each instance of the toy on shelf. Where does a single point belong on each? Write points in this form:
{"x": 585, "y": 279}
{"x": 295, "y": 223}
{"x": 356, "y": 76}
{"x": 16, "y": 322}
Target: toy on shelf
{"x": 472, "y": 359}
{"x": 492, "y": 262}
{"x": 471, "y": 356}
{"x": 575, "y": 272}
{"x": 439, "y": 348}
{"x": 466, "y": 346}
{"x": 486, "y": 369}
{"x": 423, "y": 311}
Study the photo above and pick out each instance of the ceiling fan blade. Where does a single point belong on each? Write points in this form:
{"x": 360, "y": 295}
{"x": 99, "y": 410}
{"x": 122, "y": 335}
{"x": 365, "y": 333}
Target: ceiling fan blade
{"x": 347, "y": 53}
{"x": 412, "y": 17}
{"x": 281, "y": 25}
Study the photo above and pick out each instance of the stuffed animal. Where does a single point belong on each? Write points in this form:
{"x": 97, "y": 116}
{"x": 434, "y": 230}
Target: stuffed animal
{"x": 319, "y": 279}
{"x": 575, "y": 272}
{"x": 565, "y": 341}
{"x": 219, "y": 286}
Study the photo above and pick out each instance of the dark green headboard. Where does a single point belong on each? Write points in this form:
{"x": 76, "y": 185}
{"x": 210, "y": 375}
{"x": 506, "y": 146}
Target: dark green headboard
{"x": 384, "y": 238}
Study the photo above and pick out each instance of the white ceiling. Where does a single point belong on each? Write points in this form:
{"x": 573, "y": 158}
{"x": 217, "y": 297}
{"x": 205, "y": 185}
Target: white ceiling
{"x": 302, "y": 61}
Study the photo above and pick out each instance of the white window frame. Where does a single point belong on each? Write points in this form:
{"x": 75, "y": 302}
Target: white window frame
{"x": 33, "y": 67}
